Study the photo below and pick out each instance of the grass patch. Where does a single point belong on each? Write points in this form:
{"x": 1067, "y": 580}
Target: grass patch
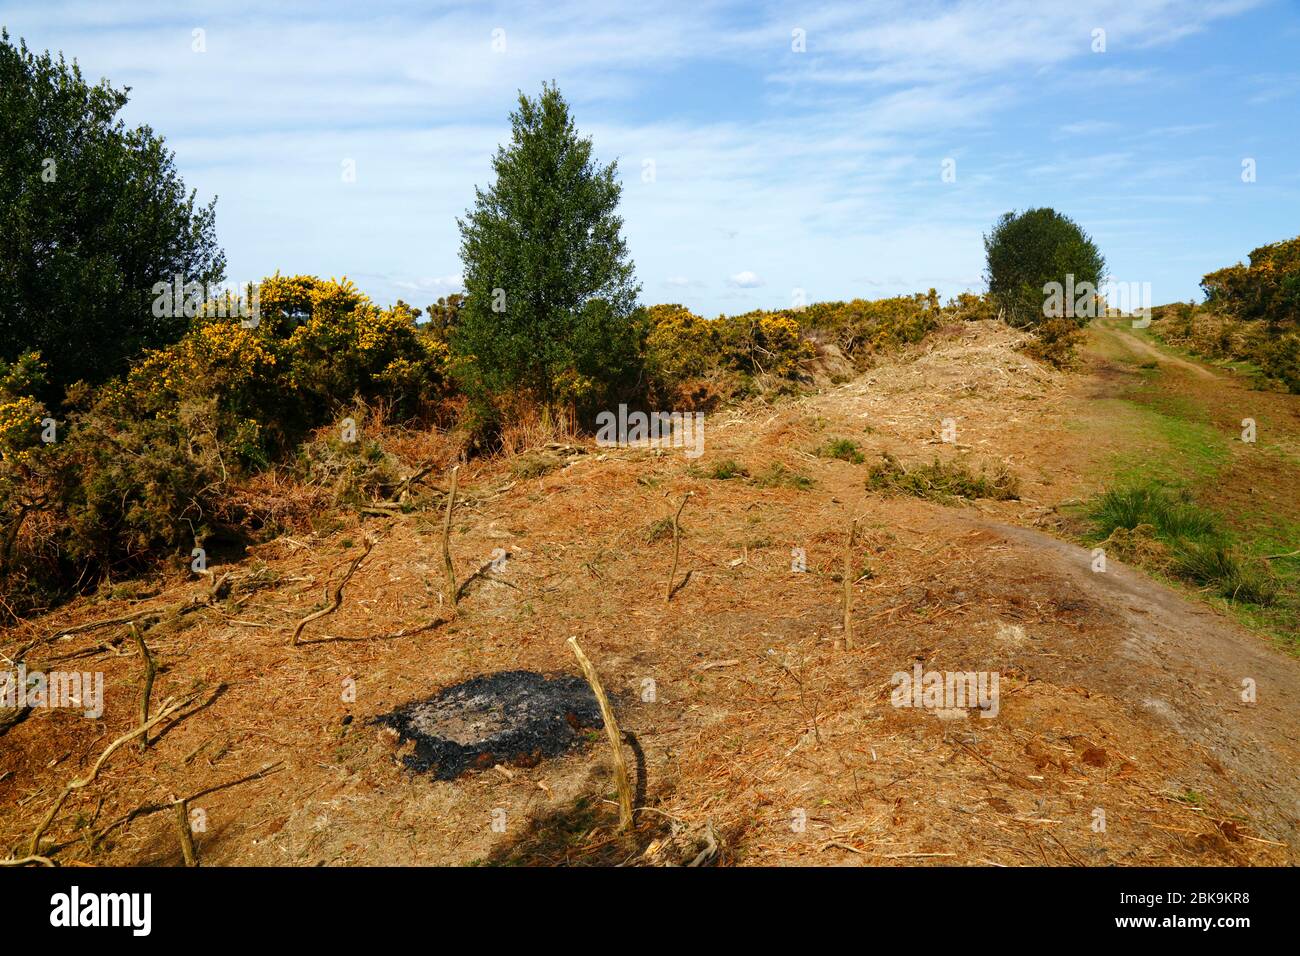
{"x": 941, "y": 482}
{"x": 1214, "y": 564}
{"x": 779, "y": 476}
{"x": 1192, "y": 544}
{"x": 1173, "y": 516}
{"x": 845, "y": 449}
{"x": 724, "y": 470}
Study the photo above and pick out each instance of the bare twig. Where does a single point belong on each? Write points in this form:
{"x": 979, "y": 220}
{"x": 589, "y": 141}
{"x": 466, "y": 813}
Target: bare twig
{"x": 147, "y": 809}
{"x": 676, "y": 545}
{"x": 169, "y": 707}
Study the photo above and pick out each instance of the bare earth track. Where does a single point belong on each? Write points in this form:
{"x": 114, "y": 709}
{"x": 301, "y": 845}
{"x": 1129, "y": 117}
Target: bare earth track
{"x": 751, "y": 728}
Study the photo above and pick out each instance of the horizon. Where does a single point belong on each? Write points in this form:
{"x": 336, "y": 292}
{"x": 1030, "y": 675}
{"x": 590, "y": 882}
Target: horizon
{"x": 870, "y": 164}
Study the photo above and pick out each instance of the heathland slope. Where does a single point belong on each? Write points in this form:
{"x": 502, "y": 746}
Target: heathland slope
{"x": 1122, "y": 735}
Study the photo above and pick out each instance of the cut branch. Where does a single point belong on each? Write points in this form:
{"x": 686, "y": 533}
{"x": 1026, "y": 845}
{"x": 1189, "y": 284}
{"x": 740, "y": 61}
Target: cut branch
{"x": 611, "y": 731}
{"x": 146, "y": 683}
{"x": 848, "y": 585}
{"x": 169, "y": 707}
{"x": 181, "y": 809}
{"x": 446, "y": 539}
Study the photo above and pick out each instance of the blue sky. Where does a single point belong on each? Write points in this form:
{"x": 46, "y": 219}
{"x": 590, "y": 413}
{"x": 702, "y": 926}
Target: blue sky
{"x": 773, "y": 170}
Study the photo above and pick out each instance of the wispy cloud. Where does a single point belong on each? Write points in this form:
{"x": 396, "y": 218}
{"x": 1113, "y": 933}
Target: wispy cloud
{"x": 817, "y": 169}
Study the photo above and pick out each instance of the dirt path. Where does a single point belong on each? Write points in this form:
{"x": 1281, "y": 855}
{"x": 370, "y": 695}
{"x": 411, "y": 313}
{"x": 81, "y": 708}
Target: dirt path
{"x": 1189, "y": 668}
{"x": 1163, "y": 358}
{"x": 1121, "y": 736}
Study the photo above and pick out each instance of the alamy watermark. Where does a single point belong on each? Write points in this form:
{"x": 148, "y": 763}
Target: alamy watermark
{"x": 653, "y": 429}
{"x": 1086, "y": 300}
{"x": 74, "y": 690}
{"x": 190, "y": 299}
{"x": 946, "y": 690}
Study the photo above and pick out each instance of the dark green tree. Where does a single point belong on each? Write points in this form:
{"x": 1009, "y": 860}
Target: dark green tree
{"x": 1028, "y": 251}
{"x": 550, "y": 306}
{"x": 92, "y": 216}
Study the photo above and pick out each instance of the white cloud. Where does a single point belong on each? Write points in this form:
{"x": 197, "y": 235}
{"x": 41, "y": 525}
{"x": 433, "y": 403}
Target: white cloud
{"x": 811, "y": 169}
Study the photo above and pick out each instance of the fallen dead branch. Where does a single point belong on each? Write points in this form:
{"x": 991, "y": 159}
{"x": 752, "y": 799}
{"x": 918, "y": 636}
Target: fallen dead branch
{"x": 405, "y": 486}
{"x": 90, "y": 626}
{"x": 710, "y": 849}
{"x": 147, "y": 809}
{"x": 169, "y": 707}
{"x": 336, "y": 599}
{"x": 611, "y": 731}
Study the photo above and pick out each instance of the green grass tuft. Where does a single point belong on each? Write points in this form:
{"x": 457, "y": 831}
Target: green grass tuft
{"x": 779, "y": 476}
{"x": 1174, "y": 516}
{"x": 1200, "y": 550}
{"x": 724, "y": 470}
{"x": 845, "y": 449}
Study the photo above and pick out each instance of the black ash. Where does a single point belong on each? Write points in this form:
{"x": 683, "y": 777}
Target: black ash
{"x": 510, "y": 717}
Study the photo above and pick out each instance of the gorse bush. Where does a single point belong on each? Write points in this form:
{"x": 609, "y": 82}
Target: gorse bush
{"x": 1268, "y": 288}
{"x": 862, "y": 327}
{"x": 351, "y": 472}
{"x": 682, "y": 347}
{"x": 1054, "y": 342}
{"x": 1251, "y": 313}
{"x": 317, "y": 345}
{"x": 765, "y": 343}
{"x": 144, "y": 464}
{"x": 21, "y": 413}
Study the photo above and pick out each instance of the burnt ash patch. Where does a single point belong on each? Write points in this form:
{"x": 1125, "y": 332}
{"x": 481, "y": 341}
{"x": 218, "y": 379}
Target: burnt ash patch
{"x": 510, "y": 717}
